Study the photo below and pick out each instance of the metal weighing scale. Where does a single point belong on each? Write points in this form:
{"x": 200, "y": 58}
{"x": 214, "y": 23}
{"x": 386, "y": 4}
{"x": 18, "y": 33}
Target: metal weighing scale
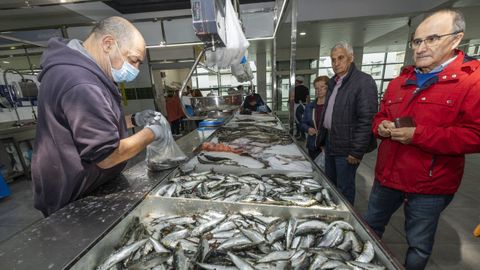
{"x": 209, "y": 26}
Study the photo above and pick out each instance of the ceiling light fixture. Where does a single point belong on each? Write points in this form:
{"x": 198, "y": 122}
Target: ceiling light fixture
{"x": 303, "y": 33}
{"x": 6, "y": 62}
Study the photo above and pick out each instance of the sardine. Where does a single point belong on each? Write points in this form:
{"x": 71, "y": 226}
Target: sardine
{"x": 311, "y": 226}
{"x": 224, "y": 234}
{"x": 307, "y": 241}
{"x": 239, "y": 262}
{"x": 277, "y": 256}
{"x": 357, "y": 245}
{"x": 170, "y": 191}
{"x": 276, "y": 235}
{"x": 333, "y": 264}
{"x": 159, "y": 248}
{"x": 298, "y": 200}
{"x": 367, "y": 254}
{"x": 291, "y": 228}
{"x": 266, "y": 266}
{"x": 171, "y": 240}
{"x": 342, "y": 225}
{"x": 188, "y": 246}
{"x": 254, "y": 236}
{"x": 180, "y": 261}
{"x": 121, "y": 255}
{"x": 215, "y": 267}
{"x": 207, "y": 226}
{"x": 299, "y": 260}
{"x": 327, "y": 199}
{"x": 296, "y": 242}
{"x": 181, "y": 221}
{"x": 332, "y": 253}
{"x": 149, "y": 261}
{"x": 331, "y": 238}
{"x": 237, "y": 243}
{"x": 317, "y": 262}
{"x": 365, "y": 266}
{"x": 225, "y": 226}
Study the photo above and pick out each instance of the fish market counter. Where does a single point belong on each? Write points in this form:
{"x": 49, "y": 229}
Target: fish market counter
{"x": 57, "y": 242}
{"x": 248, "y": 198}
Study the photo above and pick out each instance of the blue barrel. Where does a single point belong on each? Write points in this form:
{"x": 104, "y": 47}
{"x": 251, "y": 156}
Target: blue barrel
{"x": 4, "y": 190}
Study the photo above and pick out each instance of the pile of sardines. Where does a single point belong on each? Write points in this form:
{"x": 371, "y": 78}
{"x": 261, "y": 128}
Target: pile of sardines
{"x": 297, "y": 189}
{"x": 258, "y": 134}
{"x": 247, "y": 240}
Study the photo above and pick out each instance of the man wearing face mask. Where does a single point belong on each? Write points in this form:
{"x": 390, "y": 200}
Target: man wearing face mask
{"x": 82, "y": 139}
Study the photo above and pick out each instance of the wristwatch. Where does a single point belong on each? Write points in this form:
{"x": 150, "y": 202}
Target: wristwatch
{"x": 132, "y": 119}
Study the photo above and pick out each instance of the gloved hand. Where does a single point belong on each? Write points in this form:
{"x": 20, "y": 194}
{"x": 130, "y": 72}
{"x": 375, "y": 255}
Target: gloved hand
{"x": 141, "y": 118}
{"x": 159, "y": 126}
{"x": 157, "y": 130}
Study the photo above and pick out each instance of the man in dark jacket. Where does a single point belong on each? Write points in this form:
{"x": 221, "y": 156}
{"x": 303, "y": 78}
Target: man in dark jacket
{"x": 351, "y": 104}
{"x": 420, "y": 162}
{"x": 81, "y": 139}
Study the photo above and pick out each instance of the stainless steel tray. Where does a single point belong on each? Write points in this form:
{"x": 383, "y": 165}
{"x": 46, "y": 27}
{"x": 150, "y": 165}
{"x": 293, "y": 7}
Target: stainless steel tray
{"x": 240, "y": 170}
{"x": 181, "y": 206}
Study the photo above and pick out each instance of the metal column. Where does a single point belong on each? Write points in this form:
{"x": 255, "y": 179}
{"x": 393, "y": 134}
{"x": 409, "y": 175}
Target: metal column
{"x": 293, "y": 50}
{"x": 275, "y": 90}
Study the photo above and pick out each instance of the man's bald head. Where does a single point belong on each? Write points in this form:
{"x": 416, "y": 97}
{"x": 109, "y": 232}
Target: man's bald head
{"x": 121, "y": 29}
{"x": 457, "y": 19}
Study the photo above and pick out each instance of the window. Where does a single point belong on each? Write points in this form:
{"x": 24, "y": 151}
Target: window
{"x": 373, "y": 58}
{"x": 208, "y": 81}
{"x": 383, "y": 67}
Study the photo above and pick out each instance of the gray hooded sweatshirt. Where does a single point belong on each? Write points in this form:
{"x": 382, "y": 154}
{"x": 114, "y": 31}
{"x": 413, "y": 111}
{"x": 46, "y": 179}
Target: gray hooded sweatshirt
{"x": 80, "y": 123}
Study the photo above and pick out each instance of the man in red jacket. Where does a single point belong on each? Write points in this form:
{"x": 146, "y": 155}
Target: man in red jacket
{"x": 421, "y": 157}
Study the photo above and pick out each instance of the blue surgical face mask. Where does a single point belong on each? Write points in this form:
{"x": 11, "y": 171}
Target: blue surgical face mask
{"x": 126, "y": 73}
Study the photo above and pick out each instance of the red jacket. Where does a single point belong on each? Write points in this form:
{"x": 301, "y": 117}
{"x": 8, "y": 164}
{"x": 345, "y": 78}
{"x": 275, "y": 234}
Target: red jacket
{"x": 447, "y": 118}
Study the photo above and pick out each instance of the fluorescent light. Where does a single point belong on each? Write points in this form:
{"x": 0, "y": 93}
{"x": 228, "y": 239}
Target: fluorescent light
{"x": 259, "y": 38}
{"x": 174, "y": 45}
{"x": 6, "y": 62}
{"x": 12, "y": 48}
{"x": 303, "y": 33}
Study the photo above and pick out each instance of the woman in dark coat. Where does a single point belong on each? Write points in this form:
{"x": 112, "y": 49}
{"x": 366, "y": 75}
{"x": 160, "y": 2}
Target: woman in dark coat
{"x": 312, "y": 115}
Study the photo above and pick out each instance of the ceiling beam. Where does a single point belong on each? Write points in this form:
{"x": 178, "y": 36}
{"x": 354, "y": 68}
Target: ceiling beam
{"x": 23, "y": 41}
{"x": 20, "y": 4}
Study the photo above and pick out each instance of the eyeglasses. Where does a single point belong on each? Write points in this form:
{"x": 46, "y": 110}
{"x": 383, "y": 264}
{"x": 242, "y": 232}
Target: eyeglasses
{"x": 430, "y": 41}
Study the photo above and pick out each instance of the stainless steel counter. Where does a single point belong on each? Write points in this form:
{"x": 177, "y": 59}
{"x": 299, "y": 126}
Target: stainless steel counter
{"x": 58, "y": 241}
{"x": 84, "y": 229}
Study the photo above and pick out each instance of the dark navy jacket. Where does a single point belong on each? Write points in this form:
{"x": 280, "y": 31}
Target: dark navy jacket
{"x": 355, "y": 105}
{"x": 80, "y": 123}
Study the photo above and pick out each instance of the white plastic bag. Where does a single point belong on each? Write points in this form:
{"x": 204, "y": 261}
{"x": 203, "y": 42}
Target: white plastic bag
{"x": 165, "y": 153}
{"x": 235, "y": 44}
{"x": 320, "y": 160}
{"x": 242, "y": 72}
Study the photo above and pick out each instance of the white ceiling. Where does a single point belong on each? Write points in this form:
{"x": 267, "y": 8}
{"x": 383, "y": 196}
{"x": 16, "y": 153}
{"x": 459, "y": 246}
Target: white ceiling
{"x": 375, "y": 33}
{"x": 375, "y": 24}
